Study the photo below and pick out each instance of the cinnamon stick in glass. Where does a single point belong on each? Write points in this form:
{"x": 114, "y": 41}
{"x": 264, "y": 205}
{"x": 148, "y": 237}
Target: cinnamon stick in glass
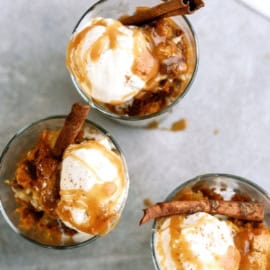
{"x": 71, "y": 129}
{"x": 250, "y": 211}
{"x": 167, "y": 9}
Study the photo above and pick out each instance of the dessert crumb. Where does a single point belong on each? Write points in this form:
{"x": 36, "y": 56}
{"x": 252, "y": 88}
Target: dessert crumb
{"x": 267, "y": 57}
{"x": 147, "y": 202}
{"x": 216, "y": 131}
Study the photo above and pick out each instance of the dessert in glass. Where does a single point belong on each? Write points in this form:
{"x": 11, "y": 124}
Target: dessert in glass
{"x": 133, "y": 69}
{"x": 63, "y": 181}
{"x": 214, "y": 221}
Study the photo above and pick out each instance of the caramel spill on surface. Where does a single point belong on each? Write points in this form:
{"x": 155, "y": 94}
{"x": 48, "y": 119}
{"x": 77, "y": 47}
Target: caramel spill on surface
{"x": 179, "y": 125}
{"x": 176, "y": 126}
{"x": 153, "y": 125}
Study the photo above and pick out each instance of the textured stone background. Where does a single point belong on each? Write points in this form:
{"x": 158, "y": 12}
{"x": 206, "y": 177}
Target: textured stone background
{"x": 231, "y": 93}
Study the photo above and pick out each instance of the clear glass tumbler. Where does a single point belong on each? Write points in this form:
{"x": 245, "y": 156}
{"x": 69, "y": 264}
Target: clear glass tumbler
{"x": 24, "y": 140}
{"x": 230, "y": 184}
{"x": 115, "y": 9}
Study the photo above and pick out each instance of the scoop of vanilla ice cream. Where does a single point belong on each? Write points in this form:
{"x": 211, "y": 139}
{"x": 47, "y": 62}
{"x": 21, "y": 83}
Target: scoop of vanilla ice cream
{"x": 199, "y": 241}
{"x": 93, "y": 187}
{"x": 110, "y": 62}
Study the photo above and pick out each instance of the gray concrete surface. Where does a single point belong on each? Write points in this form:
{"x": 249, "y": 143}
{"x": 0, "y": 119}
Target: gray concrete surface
{"x": 231, "y": 94}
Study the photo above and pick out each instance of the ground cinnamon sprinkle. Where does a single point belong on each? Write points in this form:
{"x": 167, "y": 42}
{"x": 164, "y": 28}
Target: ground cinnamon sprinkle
{"x": 147, "y": 202}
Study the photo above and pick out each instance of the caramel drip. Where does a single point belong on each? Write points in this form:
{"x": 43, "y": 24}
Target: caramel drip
{"x": 111, "y": 33}
{"x": 161, "y": 253}
{"x": 175, "y": 233}
{"x": 99, "y": 216}
{"x": 99, "y": 203}
{"x": 76, "y": 63}
{"x": 243, "y": 241}
{"x": 181, "y": 246}
{"x": 110, "y": 155}
{"x": 73, "y": 59}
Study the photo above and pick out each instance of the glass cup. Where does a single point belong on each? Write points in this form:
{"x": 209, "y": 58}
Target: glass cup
{"x": 233, "y": 185}
{"x": 115, "y": 9}
{"x": 24, "y": 140}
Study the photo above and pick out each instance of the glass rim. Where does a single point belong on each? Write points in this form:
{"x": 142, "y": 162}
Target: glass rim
{"x": 197, "y": 178}
{"x": 5, "y": 150}
{"x": 147, "y": 116}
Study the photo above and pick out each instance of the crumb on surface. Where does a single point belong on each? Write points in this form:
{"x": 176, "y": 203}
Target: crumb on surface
{"x": 147, "y": 202}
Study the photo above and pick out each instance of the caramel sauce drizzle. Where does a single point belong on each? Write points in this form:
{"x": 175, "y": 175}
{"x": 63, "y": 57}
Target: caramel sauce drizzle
{"x": 161, "y": 251}
{"x": 73, "y": 59}
{"x": 180, "y": 246}
{"x": 111, "y": 33}
{"x": 99, "y": 202}
{"x": 77, "y": 63}
{"x": 243, "y": 243}
{"x": 99, "y": 217}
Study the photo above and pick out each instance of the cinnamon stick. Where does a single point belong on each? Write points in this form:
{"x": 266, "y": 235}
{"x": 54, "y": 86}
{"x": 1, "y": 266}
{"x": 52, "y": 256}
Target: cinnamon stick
{"x": 167, "y": 9}
{"x": 236, "y": 209}
{"x": 71, "y": 129}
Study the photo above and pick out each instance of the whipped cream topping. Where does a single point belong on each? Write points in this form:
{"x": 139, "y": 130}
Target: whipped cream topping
{"x": 93, "y": 187}
{"x": 110, "y": 62}
{"x": 198, "y": 242}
